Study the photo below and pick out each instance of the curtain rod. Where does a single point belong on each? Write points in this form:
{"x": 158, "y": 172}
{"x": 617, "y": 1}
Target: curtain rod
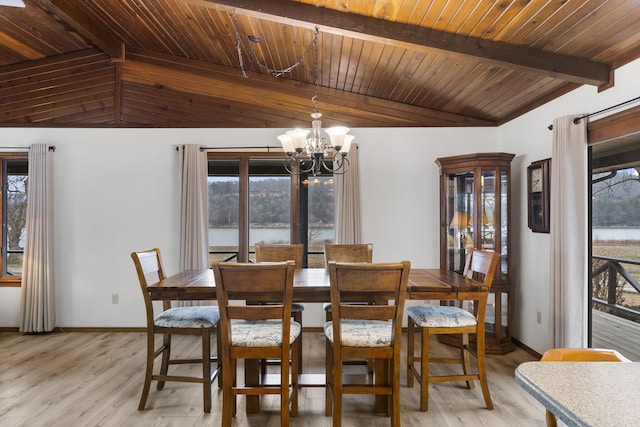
{"x": 577, "y": 119}
{"x": 51, "y": 148}
{"x": 267, "y": 147}
{"x": 262, "y": 147}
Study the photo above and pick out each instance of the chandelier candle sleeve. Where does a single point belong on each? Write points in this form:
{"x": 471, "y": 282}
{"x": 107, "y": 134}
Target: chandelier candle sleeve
{"x": 347, "y": 144}
{"x": 287, "y": 144}
{"x": 337, "y": 135}
{"x": 298, "y": 138}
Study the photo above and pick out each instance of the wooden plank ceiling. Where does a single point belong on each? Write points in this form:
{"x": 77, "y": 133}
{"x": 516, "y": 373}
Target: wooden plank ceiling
{"x": 391, "y": 63}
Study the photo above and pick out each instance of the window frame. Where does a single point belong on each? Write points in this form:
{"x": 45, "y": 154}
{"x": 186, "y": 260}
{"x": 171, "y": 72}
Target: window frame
{"x": 7, "y": 281}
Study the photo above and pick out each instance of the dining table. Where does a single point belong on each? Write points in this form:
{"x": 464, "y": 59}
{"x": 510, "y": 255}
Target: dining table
{"x": 313, "y": 285}
{"x": 585, "y": 393}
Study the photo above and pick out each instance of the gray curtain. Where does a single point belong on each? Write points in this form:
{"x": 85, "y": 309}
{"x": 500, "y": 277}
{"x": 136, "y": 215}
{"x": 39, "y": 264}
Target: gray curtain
{"x": 194, "y": 210}
{"x": 569, "y": 266}
{"x": 347, "y": 202}
{"x": 37, "y": 307}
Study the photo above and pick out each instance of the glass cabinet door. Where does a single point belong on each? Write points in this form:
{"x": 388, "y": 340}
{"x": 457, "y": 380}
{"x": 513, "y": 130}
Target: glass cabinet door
{"x": 459, "y": 203}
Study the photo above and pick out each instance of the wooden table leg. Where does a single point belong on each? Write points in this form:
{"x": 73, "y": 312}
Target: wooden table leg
{"x": 252, "y": 377}
{"x": 382, "y": 377}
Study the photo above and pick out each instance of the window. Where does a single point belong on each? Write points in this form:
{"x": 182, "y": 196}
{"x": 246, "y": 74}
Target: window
{"x": 252, "y": 199}
{"x": 14, "y": 168}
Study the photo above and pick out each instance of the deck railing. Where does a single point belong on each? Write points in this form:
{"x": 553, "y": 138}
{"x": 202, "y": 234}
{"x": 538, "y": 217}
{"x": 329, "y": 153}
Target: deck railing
{"x": 614, "y": 271}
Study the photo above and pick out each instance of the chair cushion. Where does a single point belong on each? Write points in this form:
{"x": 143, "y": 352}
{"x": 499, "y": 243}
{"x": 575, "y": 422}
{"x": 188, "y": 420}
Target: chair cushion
{"x": 261, "y": 333}
{"x": 436, "y": 316}
{"x": 362, "y": 333}
{"x": 205, "y": 316}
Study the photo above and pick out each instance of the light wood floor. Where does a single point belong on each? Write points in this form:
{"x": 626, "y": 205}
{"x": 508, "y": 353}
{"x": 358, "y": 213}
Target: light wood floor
{"x": 91, "y": 379}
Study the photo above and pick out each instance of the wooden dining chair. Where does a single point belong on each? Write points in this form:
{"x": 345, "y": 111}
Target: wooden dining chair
{"x": 284, "y": 252}
{"x": 257, "y": 331}
{"x": 197, "y": 320}
{"x": 436, "y": 320}
{"x": 356, "y": 252}
{"x": 365, "y": 331}
{"x": 578, "y": 355}
{"x": 359, "y": 252}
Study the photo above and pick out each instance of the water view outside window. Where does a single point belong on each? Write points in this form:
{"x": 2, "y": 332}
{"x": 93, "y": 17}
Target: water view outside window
{"x": 15, "y": 213}
{"x": 224, "y": 210}
{"x": 269, "y": 211}
{"x": 268, "y": 219}
{"x": 616, "y": 241}
{"x": 320, "y": 217}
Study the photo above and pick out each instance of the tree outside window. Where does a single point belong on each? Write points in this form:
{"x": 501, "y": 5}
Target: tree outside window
{"x": 15, "y": 184}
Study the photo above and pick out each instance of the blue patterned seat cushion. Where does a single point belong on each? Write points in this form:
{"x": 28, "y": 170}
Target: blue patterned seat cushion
{"x": 205, "y": 316}
{"x": 435, "y": 316}
{"x": 362, "y": 333}
{"x": 261, "y": 333}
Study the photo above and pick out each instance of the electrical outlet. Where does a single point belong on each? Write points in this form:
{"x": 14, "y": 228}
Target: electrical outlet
{"x": 539, "y": 318}
{"x": 114, "y": 299}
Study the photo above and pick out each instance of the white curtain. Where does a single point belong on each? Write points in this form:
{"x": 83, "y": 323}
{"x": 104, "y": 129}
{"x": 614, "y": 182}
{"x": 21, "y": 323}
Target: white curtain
{"x": 569, "y": 264}
{"x": 347, "y": 202}
{"x": 37, "y": 307}
{"x": 194, "y": 210}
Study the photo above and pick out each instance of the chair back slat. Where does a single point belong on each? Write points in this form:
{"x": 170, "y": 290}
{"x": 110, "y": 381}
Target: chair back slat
{"x": 367, "y": 312}
{"x": 280, "y": 252}
{"x": 255, "y": 312}
{"x": 366, "y": 281}
{"x": 242, "y": 279}
{"x": 361, "y": 252}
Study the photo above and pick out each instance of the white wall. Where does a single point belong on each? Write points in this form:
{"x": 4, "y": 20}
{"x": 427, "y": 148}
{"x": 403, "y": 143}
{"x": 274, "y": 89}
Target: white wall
{"x": 116, "y": 190}
{"x": 530, "y": 139}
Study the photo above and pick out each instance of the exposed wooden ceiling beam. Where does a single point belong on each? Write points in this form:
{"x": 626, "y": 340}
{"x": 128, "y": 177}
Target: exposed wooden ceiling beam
{"x": 191, "y": 76}
{"x": 570, "y": 68}
{"x": 69, "y": 13}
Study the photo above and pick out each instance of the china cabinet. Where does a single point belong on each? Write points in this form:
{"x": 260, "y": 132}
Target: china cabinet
{"x": 475, "y": 213}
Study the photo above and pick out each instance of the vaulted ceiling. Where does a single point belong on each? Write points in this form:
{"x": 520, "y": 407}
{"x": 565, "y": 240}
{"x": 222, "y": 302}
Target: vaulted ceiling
{"x": 180, "y": 63}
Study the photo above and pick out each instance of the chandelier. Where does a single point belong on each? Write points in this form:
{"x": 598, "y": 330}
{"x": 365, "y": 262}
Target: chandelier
{"x": 307, "y": 154}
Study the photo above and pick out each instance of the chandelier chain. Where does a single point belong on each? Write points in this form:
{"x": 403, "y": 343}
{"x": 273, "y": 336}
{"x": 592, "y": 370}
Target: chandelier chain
{"x": 315, "y": 70}
{"x": 241, "y": 43}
